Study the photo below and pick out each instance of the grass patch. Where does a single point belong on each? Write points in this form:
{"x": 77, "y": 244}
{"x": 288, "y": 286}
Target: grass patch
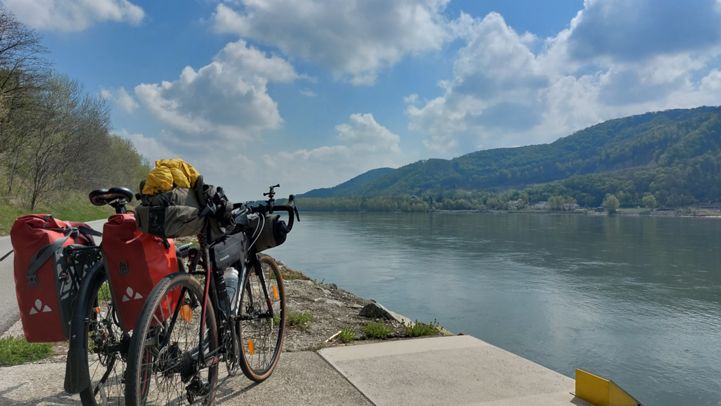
{"x": 346, "y": 335}
{"x": 377, "y": 330}
{"x": 8, "y": 214}
{"x": 73, "y": 206}
{"x": 300, "y": 320}
{"x": 104, "y": 292}
{"x": 423, "y": 329}
{"x": 16, "y": 351}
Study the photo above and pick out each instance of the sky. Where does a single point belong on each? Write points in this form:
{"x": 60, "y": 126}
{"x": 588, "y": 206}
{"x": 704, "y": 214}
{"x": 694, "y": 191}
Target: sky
{"x": 309, "y": 93}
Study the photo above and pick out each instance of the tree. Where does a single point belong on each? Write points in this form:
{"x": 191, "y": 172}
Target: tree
{"x": 555, "y": 203}
{"x": 649, "y": 201}
{"x": 611, "y": 203}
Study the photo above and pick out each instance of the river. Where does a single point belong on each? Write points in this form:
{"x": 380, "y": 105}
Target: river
{"x": 636, "y": 299}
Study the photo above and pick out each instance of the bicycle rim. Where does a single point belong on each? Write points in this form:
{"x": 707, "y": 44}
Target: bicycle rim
{"x": 104, "y": 341}
{"x": 163, "y": 364}
{"x": 261, "y": 330}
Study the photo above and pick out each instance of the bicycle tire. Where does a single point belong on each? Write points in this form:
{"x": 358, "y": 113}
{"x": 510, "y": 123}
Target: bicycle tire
{"x": 144, "y": 357}
{"x": 102, "y": 338}
{"x": 261, "y": 336}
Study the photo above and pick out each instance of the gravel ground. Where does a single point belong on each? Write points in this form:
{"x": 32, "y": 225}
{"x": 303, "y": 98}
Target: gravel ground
{"x": 331, "y": 308}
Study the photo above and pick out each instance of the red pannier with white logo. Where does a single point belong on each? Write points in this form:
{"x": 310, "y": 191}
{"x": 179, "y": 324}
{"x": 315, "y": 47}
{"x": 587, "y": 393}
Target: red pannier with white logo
{"x": 44, "y": 286}
{"x": 135, "y": 262}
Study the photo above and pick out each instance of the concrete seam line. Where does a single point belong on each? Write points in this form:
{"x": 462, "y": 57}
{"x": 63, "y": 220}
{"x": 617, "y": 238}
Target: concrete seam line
{"x": 346, "y": 378}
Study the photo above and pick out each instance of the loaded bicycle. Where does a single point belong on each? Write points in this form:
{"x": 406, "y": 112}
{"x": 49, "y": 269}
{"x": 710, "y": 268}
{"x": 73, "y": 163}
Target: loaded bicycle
{"x": 227, "y": 306}
{"x": 98, "y": 346}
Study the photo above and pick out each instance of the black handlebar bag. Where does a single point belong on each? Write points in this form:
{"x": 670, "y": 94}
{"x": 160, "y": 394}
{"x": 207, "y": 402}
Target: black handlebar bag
{"x": 268, "y": 231}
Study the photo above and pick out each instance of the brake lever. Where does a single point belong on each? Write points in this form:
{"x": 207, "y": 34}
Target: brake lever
{"x": 297, "y": 216}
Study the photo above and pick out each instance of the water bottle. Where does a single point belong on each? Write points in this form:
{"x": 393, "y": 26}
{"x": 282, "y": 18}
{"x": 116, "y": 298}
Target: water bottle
{"x": 231, "y": 286}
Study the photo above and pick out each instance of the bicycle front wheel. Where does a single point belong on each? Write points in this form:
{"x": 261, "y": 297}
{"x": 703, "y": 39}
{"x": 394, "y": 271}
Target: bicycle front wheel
{"x": 261, "y": 320}
{"x": 165, "y": 366}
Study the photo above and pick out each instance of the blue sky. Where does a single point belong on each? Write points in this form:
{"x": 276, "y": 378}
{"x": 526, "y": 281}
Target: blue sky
{"x": 310, "y": 93}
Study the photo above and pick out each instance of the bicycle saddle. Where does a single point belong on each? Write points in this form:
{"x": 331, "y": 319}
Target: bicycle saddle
{"x": 101, "y": 197}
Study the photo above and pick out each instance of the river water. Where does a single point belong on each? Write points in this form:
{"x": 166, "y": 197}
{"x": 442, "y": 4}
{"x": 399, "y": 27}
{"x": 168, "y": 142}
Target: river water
{"x": 636, "y": 299}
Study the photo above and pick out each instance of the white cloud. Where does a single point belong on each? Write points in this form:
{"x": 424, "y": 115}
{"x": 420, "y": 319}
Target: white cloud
{"x": 73, "y": 15}
{"x": 150, "y": 148}
{"x": 507, "y": 89}
{"x": 636, "y": 30}
{"x": 363, "y": 144}
{"x": 355, "y": 39}
{"x": 226, "y": 99}
{"x": 121, "y": 98}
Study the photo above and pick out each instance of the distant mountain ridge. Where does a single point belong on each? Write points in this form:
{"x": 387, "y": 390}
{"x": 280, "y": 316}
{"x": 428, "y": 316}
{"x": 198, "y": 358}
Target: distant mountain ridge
{"x": 646, "y": 149}
{"x": 349, "y": 186}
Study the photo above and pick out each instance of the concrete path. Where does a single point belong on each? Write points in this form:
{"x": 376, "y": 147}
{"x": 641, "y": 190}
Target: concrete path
{"x": 301, "y": 378}
{"x": 457, "y": 370}
{"x": 8, "y": 302}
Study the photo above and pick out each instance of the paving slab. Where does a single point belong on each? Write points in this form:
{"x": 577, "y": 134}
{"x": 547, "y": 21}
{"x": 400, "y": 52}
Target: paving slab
{"x": 459, "y": 370}
{"x": 301, "y": 378}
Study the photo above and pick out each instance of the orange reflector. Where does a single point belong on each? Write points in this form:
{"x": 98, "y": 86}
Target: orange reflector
{"x": 97, "y": 310}
{"x": 251, "y": 347}
{"x": 276, "y": 296}
{"x": 186, "y": 313}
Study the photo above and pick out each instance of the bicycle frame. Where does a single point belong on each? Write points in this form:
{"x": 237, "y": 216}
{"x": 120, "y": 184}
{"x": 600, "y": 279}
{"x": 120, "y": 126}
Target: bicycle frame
{"x": 212, "y": 295}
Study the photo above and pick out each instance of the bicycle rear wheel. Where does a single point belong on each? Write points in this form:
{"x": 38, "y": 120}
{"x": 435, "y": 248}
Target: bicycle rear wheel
{"x": 105, "y": 341}
{"x": 261, "y": 320}
{"x": 164, "y": 365}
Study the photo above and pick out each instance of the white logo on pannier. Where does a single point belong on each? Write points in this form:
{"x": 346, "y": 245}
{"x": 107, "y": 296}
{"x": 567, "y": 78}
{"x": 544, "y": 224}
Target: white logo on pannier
{"x": 40, "y": 307}
{"x": 130, "y": 294}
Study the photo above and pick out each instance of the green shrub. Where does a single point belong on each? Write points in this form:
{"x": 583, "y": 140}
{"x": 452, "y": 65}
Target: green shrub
{"x": 16, "y": 351}
{"x": 300, "y": 320}
{"x": 423, "y": 329}
{"x": 377, "y": 330}
{"x": 104, "y": 292}
{"x": 346, "y": 335}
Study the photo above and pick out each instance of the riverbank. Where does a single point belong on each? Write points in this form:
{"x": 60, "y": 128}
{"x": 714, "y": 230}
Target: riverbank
{"x": 318, "y": 315}
{"x": 696, "y": 212}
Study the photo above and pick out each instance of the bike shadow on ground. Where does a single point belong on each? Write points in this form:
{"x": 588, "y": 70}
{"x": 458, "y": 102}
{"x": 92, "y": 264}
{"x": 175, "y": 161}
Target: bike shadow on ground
{"x": 60, "y": 398}
{"x": 230, "y": 387}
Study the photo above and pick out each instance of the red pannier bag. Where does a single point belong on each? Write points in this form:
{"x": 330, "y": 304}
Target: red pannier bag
{"x": 45, "y": 290}
{"x": 135, "y": 262}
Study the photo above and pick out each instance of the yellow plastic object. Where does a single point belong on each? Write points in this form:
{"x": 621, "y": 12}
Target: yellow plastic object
{"x": 186, "y": 313}
{"x": 276, "y": 296}
{"x": 251, "y": 347}
{"x": 600, "y": 391}
{"x": 169, "y": 173}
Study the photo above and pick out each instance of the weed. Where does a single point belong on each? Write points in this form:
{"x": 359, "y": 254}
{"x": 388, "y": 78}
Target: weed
{"x": 346, "y": 335}
{"x": 16, "y": 351}
{"x": 104, "y": 292}
{"x": 300, "y": 320}
{"x": 377, "y": 330}
{"x": 419, "y": 329}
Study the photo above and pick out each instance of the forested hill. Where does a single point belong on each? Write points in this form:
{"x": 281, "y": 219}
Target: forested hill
{"x": 55, "y": 140}
{"x": 674, "y": 155}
